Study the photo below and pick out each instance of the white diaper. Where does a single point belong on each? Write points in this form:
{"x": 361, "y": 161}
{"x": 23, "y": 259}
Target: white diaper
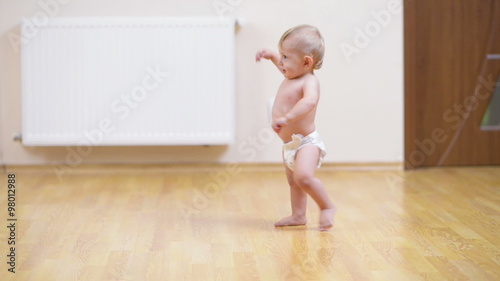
{"x": 298, "y": 141}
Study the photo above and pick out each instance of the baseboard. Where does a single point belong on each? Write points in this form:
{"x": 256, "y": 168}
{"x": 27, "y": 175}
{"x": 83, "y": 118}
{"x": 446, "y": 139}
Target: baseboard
{"x": 189, "y": 168}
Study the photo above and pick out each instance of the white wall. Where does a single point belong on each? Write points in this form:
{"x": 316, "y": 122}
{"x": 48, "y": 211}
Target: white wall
{"x": 1, "y": 125}
{"x": 360, "y": 116}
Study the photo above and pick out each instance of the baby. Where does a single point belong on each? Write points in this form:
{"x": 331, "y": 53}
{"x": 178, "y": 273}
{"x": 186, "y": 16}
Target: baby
{"x": 301, "y": 50}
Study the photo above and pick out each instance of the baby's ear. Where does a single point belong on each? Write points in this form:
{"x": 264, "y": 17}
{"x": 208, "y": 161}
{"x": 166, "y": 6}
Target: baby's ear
{"x": 308, "y": 61}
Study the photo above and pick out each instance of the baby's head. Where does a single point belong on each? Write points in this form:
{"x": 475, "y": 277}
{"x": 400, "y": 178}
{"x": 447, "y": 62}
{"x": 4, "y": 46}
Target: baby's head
{"x": 306, "y": 40}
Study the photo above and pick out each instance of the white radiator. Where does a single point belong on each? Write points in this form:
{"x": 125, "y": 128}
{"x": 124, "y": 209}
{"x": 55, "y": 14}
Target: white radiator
{"x": 128, "y": 81}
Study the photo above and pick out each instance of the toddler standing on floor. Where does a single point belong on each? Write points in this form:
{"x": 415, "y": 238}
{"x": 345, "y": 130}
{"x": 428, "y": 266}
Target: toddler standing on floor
{"x": 301, "y": 50}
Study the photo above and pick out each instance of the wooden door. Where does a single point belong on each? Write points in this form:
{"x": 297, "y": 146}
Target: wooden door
{"x": 451, "y": 72}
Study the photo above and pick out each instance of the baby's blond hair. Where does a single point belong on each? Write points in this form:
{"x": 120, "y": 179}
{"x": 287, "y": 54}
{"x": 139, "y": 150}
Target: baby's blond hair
{"x": 308, "y": 40}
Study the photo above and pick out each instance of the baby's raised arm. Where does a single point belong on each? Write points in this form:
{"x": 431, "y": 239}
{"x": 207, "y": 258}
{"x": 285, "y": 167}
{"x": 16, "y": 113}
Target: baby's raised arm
{"x": 269, "y": 55}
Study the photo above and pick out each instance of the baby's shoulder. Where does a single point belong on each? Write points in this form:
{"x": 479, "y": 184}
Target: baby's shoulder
{"x": 310, "y": 80}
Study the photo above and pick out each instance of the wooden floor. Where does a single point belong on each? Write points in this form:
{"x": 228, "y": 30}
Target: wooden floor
{"x": 216, "y": 223}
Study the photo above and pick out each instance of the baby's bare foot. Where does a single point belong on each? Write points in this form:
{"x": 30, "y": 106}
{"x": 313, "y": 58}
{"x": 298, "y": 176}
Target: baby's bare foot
{"x": 291, "y": 221}
{"x": 326, "y": 219}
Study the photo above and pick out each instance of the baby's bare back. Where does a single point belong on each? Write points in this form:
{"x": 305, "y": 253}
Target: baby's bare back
{"x": 289, "y": 94}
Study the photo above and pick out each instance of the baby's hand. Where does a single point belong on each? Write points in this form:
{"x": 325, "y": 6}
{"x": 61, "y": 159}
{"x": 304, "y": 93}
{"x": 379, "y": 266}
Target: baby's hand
{"x": 279, "y": 123}
{"x": 264, "y": 53}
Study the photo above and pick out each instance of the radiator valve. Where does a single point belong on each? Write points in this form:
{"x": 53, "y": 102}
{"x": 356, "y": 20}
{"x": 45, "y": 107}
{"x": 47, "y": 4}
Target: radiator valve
{"x": 17, "y": 137}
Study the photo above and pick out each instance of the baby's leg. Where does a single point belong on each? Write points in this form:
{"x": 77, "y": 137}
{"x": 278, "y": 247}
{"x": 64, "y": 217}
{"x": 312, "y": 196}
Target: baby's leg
{"x": 299, "y": 203}
{"x": 306, "y": 162}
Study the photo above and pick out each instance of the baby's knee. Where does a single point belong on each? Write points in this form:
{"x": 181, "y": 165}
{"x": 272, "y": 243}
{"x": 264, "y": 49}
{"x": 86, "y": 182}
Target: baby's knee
{"x": 303, "y": 180}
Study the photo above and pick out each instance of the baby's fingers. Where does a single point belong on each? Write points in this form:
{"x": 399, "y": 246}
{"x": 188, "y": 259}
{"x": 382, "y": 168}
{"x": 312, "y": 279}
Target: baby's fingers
{"x": 258, "y": 56}
{"x": 276, "y": 127}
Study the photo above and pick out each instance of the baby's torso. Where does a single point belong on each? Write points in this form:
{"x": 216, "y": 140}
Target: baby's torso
{"x": 289, "y": 93}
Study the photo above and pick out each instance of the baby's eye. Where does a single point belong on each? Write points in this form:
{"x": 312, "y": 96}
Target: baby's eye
{"x": 284, "y": 57}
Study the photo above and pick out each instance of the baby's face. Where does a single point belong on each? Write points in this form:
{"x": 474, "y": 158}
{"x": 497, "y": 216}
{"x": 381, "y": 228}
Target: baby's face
{"x": 292, "y": 61}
